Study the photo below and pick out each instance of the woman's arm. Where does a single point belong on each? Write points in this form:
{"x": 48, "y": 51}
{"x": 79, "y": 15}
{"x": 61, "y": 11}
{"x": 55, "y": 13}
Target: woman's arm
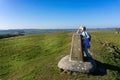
{"x": 78, "y": 31}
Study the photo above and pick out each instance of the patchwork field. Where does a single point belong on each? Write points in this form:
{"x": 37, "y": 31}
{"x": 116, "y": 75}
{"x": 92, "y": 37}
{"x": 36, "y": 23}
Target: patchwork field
{"x": 35, "y": 56}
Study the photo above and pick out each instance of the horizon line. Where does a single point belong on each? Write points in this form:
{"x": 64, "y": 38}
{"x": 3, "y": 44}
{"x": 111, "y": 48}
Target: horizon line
{"x": 60, "y": 28}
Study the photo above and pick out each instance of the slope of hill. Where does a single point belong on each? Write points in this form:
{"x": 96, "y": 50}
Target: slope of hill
{"x": 35, "y": 56}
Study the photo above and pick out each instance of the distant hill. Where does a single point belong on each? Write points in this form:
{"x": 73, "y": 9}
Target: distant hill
{"x": 34, "y": 31}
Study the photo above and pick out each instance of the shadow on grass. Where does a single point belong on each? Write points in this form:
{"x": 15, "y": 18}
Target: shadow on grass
{"x": 101, "y": 68}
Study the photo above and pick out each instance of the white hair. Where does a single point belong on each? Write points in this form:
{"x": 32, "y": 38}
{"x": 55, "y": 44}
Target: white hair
{"x": 81, "y": 27}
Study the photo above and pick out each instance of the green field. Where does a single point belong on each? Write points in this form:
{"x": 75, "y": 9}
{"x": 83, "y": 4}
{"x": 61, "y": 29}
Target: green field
{"x": 35, "y": 56}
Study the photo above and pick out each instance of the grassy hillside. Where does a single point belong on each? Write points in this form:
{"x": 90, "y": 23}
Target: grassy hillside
{"x": 35, "y": 56}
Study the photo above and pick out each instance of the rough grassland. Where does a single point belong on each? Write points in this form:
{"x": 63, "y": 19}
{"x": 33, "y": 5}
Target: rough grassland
{"x": 35, "y": 56}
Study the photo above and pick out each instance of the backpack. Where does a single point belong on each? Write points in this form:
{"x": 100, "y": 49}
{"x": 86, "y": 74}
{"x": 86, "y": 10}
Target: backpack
{"x": 89, "y": 37}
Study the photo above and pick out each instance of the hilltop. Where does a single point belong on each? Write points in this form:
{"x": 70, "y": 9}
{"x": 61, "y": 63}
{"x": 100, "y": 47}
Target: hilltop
{"x": 35, "y": 56}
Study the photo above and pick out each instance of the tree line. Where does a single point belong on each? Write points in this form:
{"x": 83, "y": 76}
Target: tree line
{"x": 11, "y": 35}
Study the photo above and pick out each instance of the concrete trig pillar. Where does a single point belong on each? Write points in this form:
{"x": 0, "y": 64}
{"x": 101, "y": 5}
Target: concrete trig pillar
{"x": 75, "y": 61}
{"x": 76, "y": 52}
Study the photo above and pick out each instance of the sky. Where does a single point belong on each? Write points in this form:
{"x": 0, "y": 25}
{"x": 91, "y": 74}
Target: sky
{"x": 59, "y": 14}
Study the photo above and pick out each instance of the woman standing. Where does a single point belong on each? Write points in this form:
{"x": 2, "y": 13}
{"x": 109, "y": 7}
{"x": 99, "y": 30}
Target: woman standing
{"x": 85, "y": 40}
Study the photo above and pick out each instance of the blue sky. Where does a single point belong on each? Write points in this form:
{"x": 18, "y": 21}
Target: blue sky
{"x": 57, "y": 14}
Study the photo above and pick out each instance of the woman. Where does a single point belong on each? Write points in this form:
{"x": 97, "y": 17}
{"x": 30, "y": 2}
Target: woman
{"x": 85, "y": 40}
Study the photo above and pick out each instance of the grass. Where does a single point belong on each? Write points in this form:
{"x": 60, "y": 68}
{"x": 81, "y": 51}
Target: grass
{"x": 35, "y": 56}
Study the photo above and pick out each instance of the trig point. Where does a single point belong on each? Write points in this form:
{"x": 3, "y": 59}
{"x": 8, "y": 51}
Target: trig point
{"x": 76, "y": 61}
